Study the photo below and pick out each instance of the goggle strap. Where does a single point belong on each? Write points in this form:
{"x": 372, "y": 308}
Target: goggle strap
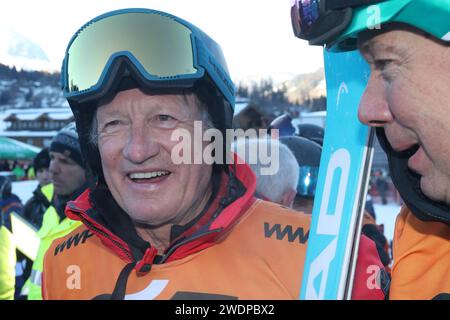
{"x": 342, "y": 4}
{"x": 215, "y": 71}
{"x": 328, "y": 26}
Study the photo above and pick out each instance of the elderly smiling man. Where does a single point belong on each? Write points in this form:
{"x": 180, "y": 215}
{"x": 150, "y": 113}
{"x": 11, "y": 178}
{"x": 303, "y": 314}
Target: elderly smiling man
{"x": 406, "y": 43}
{"x": 153, "y": 229}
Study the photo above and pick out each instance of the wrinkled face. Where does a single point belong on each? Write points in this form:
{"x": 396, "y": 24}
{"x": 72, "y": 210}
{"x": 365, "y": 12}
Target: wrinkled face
{"x": 409, "y": 95}
{"x": 43, "y": 176}
{"x": 66, "y": 174}
{"x": 134, "y": 140}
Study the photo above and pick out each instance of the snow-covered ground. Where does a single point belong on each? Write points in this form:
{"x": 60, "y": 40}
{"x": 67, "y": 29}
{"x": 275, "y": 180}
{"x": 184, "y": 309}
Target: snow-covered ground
{"x": 24, "y": 189}
{"x": 386, "y": 215}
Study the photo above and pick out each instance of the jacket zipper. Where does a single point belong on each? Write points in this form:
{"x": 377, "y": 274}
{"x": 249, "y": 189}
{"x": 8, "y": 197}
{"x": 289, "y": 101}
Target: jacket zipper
{"x": 173, "y": 248}
{"x": 78, "y": 212}
{"x": 182, "y": 243}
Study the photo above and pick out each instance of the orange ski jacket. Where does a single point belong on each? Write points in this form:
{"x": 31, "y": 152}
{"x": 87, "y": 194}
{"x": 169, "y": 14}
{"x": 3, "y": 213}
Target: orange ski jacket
{"x": 421, "y": 252}
{"x": 250, "y": 249}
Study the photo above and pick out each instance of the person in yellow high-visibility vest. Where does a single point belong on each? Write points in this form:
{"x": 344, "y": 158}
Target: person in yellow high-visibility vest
{"x": 33, "y": 212}
{"x": 31, "y": 174}
{"x": 7, "y": 264}
{"x": 69, "y": 181}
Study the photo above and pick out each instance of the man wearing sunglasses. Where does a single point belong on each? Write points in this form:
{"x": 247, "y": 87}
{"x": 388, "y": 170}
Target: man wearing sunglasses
{"x": 407, "y": 45}
{"x": 153, "y": 227}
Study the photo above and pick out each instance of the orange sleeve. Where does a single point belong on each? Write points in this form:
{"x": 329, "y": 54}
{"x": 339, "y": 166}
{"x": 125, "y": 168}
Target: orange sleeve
{"x": 421, "y": 253}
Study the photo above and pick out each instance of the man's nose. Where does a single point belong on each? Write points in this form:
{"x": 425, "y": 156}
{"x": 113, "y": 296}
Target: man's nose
{"x": 140, "y": 145}
{"x": 53, "y": 168}
{"x": 374, "y": 108}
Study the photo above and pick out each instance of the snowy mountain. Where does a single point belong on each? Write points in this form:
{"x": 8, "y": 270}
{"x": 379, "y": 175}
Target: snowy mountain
{"x": 306, "y": 86}
{"x": 19, "y": 51}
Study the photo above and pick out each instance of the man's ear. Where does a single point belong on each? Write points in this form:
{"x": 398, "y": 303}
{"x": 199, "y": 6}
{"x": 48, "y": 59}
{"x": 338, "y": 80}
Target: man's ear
{"x": 287, "y": 199}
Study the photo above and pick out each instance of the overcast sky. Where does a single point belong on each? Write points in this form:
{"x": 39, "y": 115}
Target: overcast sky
{"x": 256, "y": 36}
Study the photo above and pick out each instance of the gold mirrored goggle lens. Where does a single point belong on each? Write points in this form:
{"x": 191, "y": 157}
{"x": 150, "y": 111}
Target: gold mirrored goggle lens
{"x": 161, "y": 45}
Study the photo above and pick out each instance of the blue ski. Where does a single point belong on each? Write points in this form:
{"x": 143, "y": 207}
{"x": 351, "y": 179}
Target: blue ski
{"x": 342, "y": 182}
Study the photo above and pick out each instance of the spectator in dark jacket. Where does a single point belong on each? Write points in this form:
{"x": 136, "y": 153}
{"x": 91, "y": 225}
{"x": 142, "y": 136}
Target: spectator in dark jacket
{"x": 36, "y": 206}
{"x": 4, "y": 165}
{"x": 10, "y": 203}
{"x": 382, "y": 186}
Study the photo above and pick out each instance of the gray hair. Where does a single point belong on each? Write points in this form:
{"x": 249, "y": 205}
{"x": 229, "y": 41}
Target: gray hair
{"x": 205, "y": 118}
{"x": 271, "y": 186}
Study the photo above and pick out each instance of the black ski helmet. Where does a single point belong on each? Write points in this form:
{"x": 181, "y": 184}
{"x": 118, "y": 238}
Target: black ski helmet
{"x": 308, "y": 154}
{"x": 312, "y": 132}
{"x": 42, "y": 160}
{"x": 284, "y": 125}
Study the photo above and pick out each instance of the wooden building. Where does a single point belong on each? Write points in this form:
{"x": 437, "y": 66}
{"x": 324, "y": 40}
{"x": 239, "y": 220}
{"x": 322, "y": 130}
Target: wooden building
{"x": 35, "y": 126}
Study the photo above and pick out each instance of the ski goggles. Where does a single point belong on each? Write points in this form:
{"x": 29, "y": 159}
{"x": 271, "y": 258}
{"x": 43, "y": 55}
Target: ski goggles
{"x": 166, "y": 51}
{"x": 307, "y": 181}
{"x": 319, "y": 21}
